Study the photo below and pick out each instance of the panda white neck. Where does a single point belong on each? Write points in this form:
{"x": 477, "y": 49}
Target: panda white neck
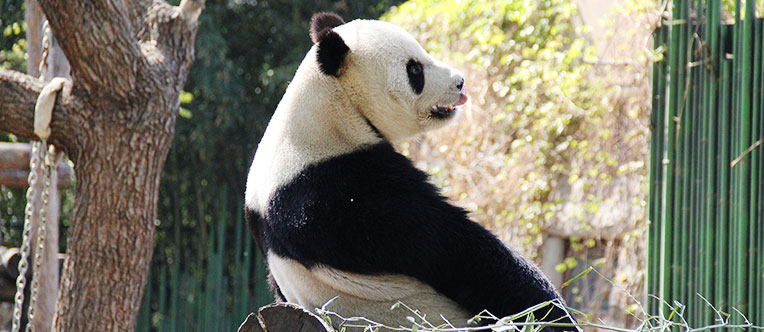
{"x": 315, "y": 115}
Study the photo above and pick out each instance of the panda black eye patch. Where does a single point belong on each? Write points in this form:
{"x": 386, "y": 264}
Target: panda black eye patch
{"x": 416, "y": 75}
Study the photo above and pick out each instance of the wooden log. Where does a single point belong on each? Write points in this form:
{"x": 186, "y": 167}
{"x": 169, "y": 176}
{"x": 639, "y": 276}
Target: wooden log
{"x": 18, "y": 178}
{"x": 14, "y": 156}
{"x": 284, "y": 317}
{"x": 251, "y": 324}
{"x": 14, "y": 166}
{"x": 9, "y": 263}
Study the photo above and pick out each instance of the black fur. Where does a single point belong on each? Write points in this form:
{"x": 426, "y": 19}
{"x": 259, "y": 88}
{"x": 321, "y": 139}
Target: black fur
{"x": 373, "y": 212}
{"x": 331, "y": 53}
{"x": 322, "y": 23}
{"x": 415, "y": 71}
{"x": 374, "y": 128}
{"x": 255, "y": 222}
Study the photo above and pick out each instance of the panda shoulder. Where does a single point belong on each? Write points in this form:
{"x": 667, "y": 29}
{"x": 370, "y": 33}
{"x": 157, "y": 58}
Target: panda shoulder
{"x": 373, "y": 175}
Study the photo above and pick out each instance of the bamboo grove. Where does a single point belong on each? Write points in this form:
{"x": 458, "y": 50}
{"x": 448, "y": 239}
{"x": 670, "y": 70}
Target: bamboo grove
{"x": 706, "y": 202}
{"x": 216, "y": 296}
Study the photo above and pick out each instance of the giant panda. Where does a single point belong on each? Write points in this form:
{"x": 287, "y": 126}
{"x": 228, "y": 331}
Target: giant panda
{"x": 347, "y": 222}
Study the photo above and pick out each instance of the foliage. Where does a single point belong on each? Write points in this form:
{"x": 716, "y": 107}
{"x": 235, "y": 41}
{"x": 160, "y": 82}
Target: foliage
{"x": 554, "y": 140}
{"x": 12, "y": 35}
{"x": 549, "y": 127}
{"x": 12, "y": 56}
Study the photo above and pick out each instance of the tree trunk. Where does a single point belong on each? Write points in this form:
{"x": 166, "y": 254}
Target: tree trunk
{"x": 107, "y": 262}
{"x": 129, "y": 60}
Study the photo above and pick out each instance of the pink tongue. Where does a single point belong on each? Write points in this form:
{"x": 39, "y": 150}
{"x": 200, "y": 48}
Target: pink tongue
{"x": 462, "y": 99}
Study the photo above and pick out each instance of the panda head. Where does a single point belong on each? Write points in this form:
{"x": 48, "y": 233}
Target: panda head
{"x": 386, "y": 75}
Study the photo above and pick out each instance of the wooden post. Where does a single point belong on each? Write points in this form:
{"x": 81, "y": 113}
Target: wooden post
{"x": 57, "y": 65}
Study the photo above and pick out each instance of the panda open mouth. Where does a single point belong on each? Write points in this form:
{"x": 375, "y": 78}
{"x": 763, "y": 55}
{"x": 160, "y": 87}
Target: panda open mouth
{"x": 444, "y": 112}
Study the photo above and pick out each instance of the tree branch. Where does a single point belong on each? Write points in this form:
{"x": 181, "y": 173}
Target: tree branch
{"x": 18, "y": 95}
{"x": 171, "y": 37}
{"x": 190, "y": 9}
{"x": 99, "y": 42}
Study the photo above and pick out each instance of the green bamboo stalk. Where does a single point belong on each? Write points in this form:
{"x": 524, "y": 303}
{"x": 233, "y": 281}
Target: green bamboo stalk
{"x": 743, "y": 190}
{"x": 144, "y": 317}
{"x": 667, "y": 236}
{"x": 175, "y": 273}
{"x": 219, "y": 284}
{"x": 209, "y": 282}
{"x": 681, "y": 244}
{"x": 755, "y": 164}
{"x": 712, "y": 31}
{"x": 656, "y": 157}
{"x": 734, "y": 147}
{"x": 689, "y": 152}
{"x": 696, "y": 159}
{"x": 760, "y": 240}
{"x": 236, "y": 280}
{"x": 723, "y": 263}
{"x": 198, "y": 305}
{"x": 162, "y": 298}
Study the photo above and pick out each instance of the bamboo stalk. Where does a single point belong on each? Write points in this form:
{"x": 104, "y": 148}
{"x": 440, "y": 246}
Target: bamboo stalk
{"x": 755, "y": 155}
{"x": 162, "y": 298}
{"x": 656, "y": 156}
{"x": 713, "y": 220}
{"x": 682, "y": 244}
{"x": 744, "y": 173}
{"x": 667, "y": 236}
{"x": 143, "y": 323}
{"x": 697, "y": 156}
{"x": 760, "y": 240}
{"x": 724, "y": 179}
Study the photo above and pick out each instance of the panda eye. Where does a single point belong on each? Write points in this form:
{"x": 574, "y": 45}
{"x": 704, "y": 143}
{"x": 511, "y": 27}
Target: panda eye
{"x": 414, "y": 68}
{"x": 416, "y": 75}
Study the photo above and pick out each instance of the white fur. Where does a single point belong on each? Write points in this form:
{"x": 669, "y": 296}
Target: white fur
{"x": 323, "y": 116}
{"x": 373, "y": 296}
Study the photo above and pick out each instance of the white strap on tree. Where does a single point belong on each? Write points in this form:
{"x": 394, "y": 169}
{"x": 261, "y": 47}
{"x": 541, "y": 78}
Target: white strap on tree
{"x": 43, "y": 114}
{"x": 43, "y": 110}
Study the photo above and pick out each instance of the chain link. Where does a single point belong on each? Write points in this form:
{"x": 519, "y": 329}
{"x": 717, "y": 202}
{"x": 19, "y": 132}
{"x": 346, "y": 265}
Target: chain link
{"x": 34, "y": 163}
{"x": 48, "y": 166}
{"x": 45, "y": 51}
{"x": 39, "y": 152}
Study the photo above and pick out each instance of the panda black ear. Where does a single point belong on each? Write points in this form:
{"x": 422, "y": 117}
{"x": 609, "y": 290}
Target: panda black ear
{"x": 331, "y": 53}
{"x": 322, "y": 23}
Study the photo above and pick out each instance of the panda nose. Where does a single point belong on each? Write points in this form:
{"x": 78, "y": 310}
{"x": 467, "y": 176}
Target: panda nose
{"x": 460, "y": 85}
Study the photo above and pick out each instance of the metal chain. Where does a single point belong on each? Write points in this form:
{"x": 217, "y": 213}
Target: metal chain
{"x": 47, "y": 169}
{"x": 45, "y": 51}
{"x": 34, "y": 162}
{"x": 39, "y": 152}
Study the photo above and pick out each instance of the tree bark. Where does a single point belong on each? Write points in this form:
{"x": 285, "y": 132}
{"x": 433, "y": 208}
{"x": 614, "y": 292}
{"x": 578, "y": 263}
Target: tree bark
{"x": 129, "y": 60}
